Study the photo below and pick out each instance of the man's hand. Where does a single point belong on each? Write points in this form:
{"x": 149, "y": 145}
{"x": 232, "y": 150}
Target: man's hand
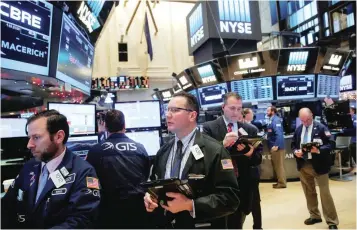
{"x": 274, "y": 148}
{"x": 179, "y": 203}
{"x": 315, "y": 150}
{"x": 298, "y": 153}
{"x": 230, "y": 139}
{"x": 150, "y": 203}
{"x": 250, "y": 153}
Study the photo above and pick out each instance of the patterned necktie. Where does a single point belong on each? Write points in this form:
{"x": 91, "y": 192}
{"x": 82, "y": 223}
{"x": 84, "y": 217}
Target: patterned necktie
{"x": 306, "y": 135}
{"x": 230, "y": 129}
{"x": 175, "y": 170}
{"x": 42, "y": 181}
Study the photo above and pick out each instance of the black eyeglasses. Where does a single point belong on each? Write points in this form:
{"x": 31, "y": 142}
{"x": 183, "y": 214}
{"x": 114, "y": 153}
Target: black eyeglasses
{"x": 177, "y": 109}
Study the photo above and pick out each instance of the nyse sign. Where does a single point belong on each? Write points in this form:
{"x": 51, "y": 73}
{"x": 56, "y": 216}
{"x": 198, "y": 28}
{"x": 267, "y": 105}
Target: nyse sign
{"x": 87, "y": 17}
{"x": 196, "y": 26}
{"x": 197, "y": 37}
{"x": 234, "y": 16}
{"x": 297, "y": 61}
{"x": 346, "y": 83}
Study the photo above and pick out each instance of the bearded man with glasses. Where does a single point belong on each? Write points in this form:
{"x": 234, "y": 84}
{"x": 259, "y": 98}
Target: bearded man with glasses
{"x": 193, "y": 156}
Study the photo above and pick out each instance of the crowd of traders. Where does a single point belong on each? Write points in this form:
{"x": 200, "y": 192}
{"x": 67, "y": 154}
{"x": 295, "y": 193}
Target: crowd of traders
{"x": 57, "y": 189}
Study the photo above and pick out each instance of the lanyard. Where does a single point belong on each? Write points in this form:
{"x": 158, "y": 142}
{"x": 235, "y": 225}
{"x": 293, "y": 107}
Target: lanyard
{"x": 183, "y": 153}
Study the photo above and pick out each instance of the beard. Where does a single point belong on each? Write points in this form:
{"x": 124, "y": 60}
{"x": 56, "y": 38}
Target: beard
{"x": 49, "y": 152}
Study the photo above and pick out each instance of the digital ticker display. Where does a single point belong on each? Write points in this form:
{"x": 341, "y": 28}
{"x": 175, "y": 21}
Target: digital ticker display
{"x": 254, "y": 90}
{"x": 295, "y": 87}
{"x": 328, "y": 86}
{"x": 211, "y": 96}
{"x": 26, "y": 35}
{"x": 75, "y": 57}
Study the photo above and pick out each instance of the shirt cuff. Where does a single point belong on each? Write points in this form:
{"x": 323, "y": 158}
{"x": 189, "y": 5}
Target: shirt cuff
{"x": 193, "y": 212}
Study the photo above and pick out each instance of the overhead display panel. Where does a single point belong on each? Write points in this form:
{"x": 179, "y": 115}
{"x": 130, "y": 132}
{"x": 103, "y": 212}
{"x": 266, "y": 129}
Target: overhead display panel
{"x": 185, "y": 80}
{"x": 253, "y": 64}
{"x": 212, "y": 96}
{"x": 333, "y": 62}
{"x": 254, "y": 90}
{"x": 328, "y": 86}
{"x": 75, "y": 57}
{"x": 297, "y": 61}
{"x": 295, "y": 87}
{"x": 26, "y": 35}
{"x": 208, "y": 73}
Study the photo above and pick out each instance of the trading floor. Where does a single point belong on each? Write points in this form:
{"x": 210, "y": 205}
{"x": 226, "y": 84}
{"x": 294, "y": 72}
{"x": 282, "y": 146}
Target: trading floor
{"x": 286, "y": 208}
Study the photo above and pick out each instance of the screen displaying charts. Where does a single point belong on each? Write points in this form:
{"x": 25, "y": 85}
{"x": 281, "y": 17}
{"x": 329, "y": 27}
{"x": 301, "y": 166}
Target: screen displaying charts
{"x": 75, "y": 57}
{"x": 295, "y": 87}
{"x": 211, "y": 96}
{"x": 140, "y": 114}
{"x": 252, "y": 90}
{"x": 150, "y": 140}
{"x": 80, "y": 117}
{"x": 81, "y": 145}
{"x": 26, "y": 35}
{"x": 328, "y": 86}
{"x": 13, "y": 127}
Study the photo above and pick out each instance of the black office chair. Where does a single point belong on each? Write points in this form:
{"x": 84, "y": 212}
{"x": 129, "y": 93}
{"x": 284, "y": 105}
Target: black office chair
{"x": 341, "y": 147}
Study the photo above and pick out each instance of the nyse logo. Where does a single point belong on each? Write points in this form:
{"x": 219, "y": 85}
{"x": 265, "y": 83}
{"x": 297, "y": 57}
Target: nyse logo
{"x": 234, "y": 16}
{"x": 87, "y": 17}
{"x": 335, "y": 59}
{"x": 19, "y": 15}
{"x": 196, "y": 26}
{"x": 297, "y": 61}
{"x": 346, "y": 83}
{"x": 206, "y": 73}
{"x": 248, "y": 63}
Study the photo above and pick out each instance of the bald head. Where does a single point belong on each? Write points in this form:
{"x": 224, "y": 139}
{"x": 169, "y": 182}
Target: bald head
{"x": 306, "y": 116}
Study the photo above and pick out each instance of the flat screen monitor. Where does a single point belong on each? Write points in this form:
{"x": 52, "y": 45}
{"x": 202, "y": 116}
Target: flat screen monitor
{"x": 81, "y": 145}
{"x": 295, "y": 87}
{"x": 150, "y": 140}
{"x": 328, "y": 86}
{"x": 80, "y": 117}
{"x": 211, "y": 96}
{"x": 26, "y": 35}
{"x": 13, "y": 127}
{"x": 75, "y": 57}
{"x": 254, "y": 90}
{"x": 140, "y": 114}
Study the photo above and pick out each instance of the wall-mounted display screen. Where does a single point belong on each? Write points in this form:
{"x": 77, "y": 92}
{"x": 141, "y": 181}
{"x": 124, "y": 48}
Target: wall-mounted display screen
{"x": 150, "y": 140}
{"x": 166, "y": 94}
{"x": 26, "y": 35}
{"x": 253, "y": 90}
{"x": 328, "y": 86}
{"x": 140, "y": 114}
{"x": 211, "y": 96}
{"x": 208, "y": 73}
{"x": 80, "y": 117}
{"x": 297, "y": 61}
{"x": 295, "y": 87}
{"x": 347, "y": 83}
{"x": 75, "y": 57}
{"x": 13, "y": 127}
{"x": 81, "y": 145}
{"x": 184, "y": 79}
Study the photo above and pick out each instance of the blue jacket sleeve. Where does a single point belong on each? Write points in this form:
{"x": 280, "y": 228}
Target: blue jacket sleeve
{"x": 278, "y": 130}
{"x": 83, "y": 204}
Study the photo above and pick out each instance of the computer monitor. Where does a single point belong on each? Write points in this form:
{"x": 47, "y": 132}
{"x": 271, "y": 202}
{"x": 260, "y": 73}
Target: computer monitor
{"x": 80, "y": 117}
{"x": 81, "y": 145}
{"x": 150, "y": 139}
{"x": 254, "y": 90}
{"x": 212, "y": 96}
{"x": 13, "y": 127}
{"x": 194, "y": 93}
{"x": 328, "y": 86}
{"x": 295, "y": 87}
{"x": 140, "y": 114}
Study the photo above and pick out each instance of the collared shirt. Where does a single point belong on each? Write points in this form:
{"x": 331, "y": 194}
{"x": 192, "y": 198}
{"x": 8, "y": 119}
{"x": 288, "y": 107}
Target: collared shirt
{"x": 235, "y": 125}
{"x": 187, "y": 143}
{"x": 309, "y": 131}
{"x": 53, "y": 164}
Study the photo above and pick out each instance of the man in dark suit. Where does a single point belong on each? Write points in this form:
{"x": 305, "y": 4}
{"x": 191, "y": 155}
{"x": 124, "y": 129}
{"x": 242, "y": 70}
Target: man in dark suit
{"x": 226, "y": 129}
{"x": 56, "y": 189}
{"x": 314, "y": 165}
{"x": 192, "y": 154}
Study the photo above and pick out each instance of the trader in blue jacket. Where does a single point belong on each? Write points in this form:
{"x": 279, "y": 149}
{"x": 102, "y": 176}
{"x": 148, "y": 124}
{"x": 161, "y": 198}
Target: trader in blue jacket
{"x": 57, "y": 189}
{"x": 122, "y": 164}
{"x": 314, "y": 166}
{"x": 276, "y": 146}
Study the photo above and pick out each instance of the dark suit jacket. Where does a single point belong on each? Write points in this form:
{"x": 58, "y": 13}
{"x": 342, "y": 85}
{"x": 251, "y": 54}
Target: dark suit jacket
{"x": 247, "y": 167}
{"x": 72, "y": 205}
{"x": 320, "y": 162}
{"x": 219, "y": 194}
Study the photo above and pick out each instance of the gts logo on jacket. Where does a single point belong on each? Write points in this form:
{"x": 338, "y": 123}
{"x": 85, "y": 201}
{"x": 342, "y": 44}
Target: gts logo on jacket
{"x": 121, "y": 146}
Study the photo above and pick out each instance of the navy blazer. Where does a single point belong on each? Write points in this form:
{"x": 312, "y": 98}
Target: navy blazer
{"x": 72, "y": 205}
{"x": 275, "y": 133}
{"x": 320, "y": 162}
